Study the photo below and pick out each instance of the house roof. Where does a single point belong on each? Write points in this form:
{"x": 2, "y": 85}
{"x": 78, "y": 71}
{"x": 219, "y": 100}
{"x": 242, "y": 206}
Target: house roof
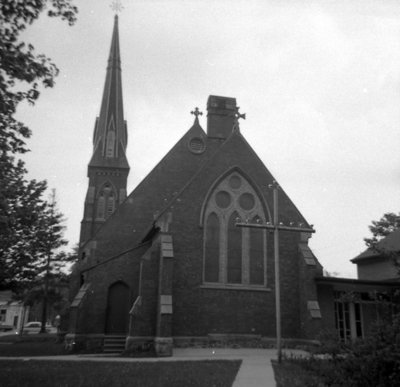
{"x": 390, "y": 244}
{"x": 357, "y": 285}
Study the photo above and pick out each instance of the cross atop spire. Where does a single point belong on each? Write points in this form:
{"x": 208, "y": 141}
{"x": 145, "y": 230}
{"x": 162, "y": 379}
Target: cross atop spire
{"x": 116, "y": 6}
{"x": 196, "y": 112}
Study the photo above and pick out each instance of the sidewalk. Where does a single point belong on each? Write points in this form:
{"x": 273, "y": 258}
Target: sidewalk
{"x": 255, "y": 371}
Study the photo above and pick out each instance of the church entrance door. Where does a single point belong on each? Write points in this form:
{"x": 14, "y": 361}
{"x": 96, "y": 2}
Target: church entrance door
{"x": 117, "y": 309}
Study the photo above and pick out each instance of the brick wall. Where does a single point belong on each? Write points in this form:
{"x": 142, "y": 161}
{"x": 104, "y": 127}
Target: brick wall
{"x": 197, "y": 311}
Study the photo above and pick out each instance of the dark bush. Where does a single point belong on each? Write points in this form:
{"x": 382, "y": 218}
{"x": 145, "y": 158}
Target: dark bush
{"x": 371, "y": 362}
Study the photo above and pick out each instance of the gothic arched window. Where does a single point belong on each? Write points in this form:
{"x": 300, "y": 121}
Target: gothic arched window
{"x": 101, "y": 206}
{"x": 234, "y": 251}
{"x": 105, "y": 202}
{"x": 211, "y": 249}
{"x": 110, "y": 145}
{"x": 234, "y": 255}
{"x": 110, "y": 204}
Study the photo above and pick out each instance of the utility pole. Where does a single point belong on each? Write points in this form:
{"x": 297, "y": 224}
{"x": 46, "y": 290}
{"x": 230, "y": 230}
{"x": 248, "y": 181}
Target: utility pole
{"x": 276, "y": 227}
{"x": 47, "y": 270}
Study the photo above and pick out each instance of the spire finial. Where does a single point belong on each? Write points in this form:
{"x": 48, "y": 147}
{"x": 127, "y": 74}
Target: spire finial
{"x": 196, "y": 112}
{"x": 116, "y": 6}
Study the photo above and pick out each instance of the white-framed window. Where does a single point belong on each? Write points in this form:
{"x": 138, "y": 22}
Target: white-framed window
{"x": 234, "y": 256}
{"x": 348, "y": 317}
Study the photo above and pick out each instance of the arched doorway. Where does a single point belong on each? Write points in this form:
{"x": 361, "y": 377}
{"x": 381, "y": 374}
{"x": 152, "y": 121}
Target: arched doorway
{"x": 117, "y": 314}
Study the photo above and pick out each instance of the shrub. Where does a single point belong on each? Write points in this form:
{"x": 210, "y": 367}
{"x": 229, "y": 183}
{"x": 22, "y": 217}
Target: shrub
{"x": 371, "y": 362}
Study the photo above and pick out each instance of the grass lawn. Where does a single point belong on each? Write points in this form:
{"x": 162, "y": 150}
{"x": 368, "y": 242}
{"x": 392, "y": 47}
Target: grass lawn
{"x": 30, "y": 345}
{"x": 52, "y": 373}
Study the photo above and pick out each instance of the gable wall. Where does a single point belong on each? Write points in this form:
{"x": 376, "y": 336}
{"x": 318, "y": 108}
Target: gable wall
{"x": 199, "y": 310}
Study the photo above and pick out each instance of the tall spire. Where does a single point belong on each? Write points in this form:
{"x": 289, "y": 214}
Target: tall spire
{"x": 110, "y": 134}
{"x": 108, "y": 168}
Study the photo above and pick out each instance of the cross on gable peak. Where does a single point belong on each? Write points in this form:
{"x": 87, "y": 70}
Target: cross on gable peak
{"x": 196, "y": 112}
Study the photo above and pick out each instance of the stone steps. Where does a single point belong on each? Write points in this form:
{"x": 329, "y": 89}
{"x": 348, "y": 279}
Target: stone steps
{"x": 114, "y": 344}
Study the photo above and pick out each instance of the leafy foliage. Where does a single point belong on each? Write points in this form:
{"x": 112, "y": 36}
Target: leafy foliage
{"x": 29, "y": 225}
{"x": 372, "y": 362}
{"x": 22, "y": 71}
{"x": 30, "y": 238}
{"x": 382, "y": 228}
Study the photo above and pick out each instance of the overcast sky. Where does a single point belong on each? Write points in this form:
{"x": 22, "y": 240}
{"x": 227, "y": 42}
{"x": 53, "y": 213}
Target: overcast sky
{"x": 319, "y": 81}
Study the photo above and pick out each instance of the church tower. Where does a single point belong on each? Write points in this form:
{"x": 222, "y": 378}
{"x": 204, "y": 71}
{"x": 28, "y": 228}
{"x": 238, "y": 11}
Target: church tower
{"x": 108, "y": 168}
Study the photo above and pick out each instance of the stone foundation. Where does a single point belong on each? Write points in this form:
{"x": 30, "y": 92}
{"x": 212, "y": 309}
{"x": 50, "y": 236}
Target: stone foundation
{"x": 91, "y": 343}
{"x": 163, "y": 346}
{"x": 136, "y": 345}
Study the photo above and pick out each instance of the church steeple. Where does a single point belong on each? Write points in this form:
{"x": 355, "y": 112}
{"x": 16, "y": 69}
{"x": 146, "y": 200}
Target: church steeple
{"x": 110, "y": 134}
{"x": 108, "y": 168}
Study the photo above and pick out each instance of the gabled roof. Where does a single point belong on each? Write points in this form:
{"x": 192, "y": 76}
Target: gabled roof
{"x": 142, "y": 206}
{"x": 389, "y": 244}
{"x": 224, "y": 152}
{"x": 195, "y": 159}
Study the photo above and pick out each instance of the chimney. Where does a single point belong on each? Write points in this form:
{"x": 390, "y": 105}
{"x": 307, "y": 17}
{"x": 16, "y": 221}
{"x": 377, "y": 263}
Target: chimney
{"x": 220, "y": 116}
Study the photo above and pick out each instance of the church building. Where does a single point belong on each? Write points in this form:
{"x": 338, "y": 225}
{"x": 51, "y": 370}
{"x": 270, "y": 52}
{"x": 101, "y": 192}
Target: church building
{"x": 167, "y": 264}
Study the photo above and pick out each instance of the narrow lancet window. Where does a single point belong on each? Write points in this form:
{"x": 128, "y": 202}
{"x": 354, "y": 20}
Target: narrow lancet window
{"x": 234, "y": 251}
{"x": 256, "y": 253}
{"x": 110, "y": 144}
{"x": 100, "y": 207}
{"x": 110, "y": 204}
{"x": 211, "y": 266}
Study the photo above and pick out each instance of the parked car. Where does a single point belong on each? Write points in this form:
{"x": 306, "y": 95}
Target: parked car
{"x": 35, "y": 326}
{"x": 6, "y": 330}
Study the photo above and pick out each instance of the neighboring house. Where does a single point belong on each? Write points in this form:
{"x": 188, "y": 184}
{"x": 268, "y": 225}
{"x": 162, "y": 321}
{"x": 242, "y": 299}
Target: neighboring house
{"x": 57, "y": 304}
{"x": 379, "y": 263}
{"x": 358, "y": 303}
{"x": 12, "y": 312}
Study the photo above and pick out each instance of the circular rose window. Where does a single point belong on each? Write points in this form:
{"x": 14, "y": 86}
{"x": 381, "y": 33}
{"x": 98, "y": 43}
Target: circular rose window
{"x": 247, "y": 201}
{"x": 223, "y": 199}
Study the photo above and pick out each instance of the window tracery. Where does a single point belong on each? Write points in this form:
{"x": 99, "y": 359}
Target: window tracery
{"x": 233, "y": 255}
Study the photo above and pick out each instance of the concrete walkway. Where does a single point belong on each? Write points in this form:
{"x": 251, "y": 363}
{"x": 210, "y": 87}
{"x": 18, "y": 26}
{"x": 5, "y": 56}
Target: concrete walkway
{"x": 255, "y": 371}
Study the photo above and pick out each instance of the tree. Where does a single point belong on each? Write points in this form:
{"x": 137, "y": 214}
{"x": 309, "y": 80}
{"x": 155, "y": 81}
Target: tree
{"x": 28, "y": 250}
{"x": 23, "y": 206}
{"x": 23, "y": 211}
{"x": 382, "y": 228}
{"x": 22, "y": 71}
